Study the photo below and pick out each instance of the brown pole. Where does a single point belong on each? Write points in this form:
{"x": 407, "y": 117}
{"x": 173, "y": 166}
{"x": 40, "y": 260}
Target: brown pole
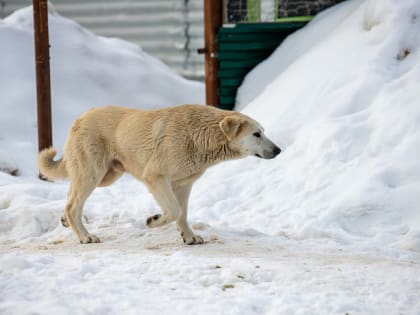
{"x": 212, "y": 22}
{"x": 42, "y": 65}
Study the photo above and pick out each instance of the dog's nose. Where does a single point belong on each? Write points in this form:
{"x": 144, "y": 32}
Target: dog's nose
{"x": 276, "y": 151}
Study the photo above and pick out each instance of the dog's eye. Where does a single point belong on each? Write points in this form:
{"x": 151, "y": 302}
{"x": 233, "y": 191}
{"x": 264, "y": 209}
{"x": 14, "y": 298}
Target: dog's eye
{"x": 257, "y": 134}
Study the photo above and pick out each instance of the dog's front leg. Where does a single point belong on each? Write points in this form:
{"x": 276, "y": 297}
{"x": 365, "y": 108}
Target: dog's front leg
{"x": 182, "y": 194}
{"x": 174, "y": 205}
{"x": 160, "y": 187}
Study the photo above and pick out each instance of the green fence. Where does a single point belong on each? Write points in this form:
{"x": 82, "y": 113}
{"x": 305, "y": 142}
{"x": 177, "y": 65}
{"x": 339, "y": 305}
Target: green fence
{"x": 241, "y": 47}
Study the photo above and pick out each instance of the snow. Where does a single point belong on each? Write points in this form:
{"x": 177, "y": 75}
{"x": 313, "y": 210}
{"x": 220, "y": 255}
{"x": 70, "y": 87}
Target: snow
{"x": 347, "y": 111}
{"x": 331, "y": 226}
{"x": 234, "y": 277}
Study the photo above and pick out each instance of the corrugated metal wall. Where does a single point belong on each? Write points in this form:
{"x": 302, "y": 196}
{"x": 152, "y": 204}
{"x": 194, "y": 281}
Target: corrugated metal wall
{"x": 170, "y": 30}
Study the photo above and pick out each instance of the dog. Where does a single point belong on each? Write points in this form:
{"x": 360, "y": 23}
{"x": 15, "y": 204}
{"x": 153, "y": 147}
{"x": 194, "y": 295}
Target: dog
{"x": 167, "y": 149}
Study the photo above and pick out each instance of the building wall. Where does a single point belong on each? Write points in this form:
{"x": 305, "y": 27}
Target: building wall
{"x": 170, "y": 30}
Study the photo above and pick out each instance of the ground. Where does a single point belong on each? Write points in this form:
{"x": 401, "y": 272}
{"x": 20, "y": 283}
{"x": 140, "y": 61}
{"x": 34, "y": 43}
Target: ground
{"x": 149, "y": 271}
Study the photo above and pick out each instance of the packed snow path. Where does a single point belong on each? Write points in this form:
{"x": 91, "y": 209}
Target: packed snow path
{"x": 142, "y": 271}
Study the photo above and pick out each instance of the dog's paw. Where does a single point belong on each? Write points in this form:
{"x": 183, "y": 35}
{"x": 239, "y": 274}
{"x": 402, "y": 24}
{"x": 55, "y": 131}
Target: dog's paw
{"x": 192, "y": 239}
{"x": 64, "y": 221}
{"x": 153, "y": 221}
{"x": 90, "y": 238}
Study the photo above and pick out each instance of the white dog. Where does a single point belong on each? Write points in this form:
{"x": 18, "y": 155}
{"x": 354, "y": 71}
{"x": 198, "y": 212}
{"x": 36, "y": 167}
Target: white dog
{"x": 168, "y": 149}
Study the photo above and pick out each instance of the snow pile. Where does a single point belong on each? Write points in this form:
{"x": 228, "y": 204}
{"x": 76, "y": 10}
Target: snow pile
{"x": 342, "y": 95}
{"x": 86, "y": 71}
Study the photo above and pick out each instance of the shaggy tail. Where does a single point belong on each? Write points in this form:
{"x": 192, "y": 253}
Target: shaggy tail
{"x": 50, "y": 168}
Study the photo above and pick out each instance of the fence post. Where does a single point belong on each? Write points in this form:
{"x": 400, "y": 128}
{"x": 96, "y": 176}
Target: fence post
{"x": 42, "y": 67}
{"x": 212, "y": 22}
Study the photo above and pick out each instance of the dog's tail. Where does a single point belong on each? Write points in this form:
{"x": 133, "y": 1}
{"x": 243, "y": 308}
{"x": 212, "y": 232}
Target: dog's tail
{"x": 50, "y": 168}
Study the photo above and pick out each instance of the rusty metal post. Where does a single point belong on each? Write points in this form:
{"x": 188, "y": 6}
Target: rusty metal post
{"x": 42, "y": 64}
{"x": 212, "y": 22}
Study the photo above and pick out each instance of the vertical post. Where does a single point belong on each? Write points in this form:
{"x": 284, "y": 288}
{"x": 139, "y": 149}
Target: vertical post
{"x": 42, "y": 64}
{"x": 212, "y": 22}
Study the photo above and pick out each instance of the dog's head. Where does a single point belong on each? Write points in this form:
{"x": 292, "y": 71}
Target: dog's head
{"x": 246, "y": 136}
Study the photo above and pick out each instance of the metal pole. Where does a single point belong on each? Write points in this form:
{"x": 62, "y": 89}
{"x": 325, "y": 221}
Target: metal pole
{"x": 42, "y": 64}
{"x": 212, "y": 23}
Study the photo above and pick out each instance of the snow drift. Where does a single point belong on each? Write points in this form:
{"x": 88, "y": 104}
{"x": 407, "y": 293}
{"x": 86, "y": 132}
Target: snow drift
{"x": 342, "y": 95}
{"x": 86, "y": 71}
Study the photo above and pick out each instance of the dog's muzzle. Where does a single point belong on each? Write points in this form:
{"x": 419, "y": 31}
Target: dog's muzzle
{"x": 270, "y": 154}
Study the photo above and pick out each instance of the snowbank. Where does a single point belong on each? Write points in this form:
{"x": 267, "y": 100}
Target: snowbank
{"x": 86, "y": 71}
{"x": 342, "y": 96}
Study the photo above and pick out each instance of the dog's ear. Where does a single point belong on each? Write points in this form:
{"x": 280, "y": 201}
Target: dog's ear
{"x": 230, "y": 126}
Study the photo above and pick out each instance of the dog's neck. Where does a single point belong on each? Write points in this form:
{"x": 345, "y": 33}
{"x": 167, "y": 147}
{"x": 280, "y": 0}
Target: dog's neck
{"x": 214, "y": 146}
{"x": 221, "y": 153}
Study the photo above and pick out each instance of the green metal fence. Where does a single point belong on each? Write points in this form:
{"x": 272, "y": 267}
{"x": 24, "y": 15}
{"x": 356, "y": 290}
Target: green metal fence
{"x": 242, "y": 46}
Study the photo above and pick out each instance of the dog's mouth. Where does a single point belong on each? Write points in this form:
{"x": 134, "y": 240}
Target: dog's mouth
{"x": 257, "y": 155}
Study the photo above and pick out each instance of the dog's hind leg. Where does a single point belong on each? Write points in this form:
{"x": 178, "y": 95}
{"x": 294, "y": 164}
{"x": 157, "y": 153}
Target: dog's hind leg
{"x": 64, "y": 221}
{"x": 78, "y": 194}
{"x": 182, "y": 194}
{"x": 85, "y": 174}
{"x": 161, "y": 189}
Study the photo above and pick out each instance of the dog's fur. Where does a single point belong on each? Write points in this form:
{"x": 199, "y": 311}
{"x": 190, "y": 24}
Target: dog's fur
{"x": 168, "y": 149}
